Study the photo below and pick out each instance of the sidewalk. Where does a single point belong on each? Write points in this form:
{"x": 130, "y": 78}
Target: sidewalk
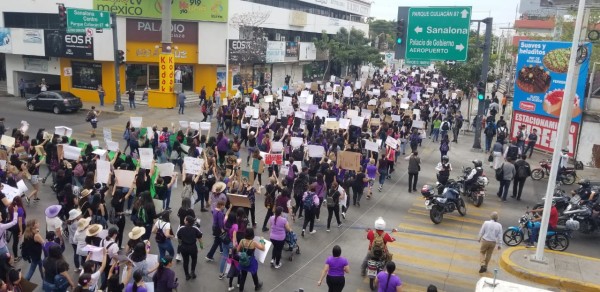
{"x": 563, "y": 270}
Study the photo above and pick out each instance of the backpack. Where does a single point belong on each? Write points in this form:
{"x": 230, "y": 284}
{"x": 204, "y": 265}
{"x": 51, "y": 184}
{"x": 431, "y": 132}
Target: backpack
{"x": 291, "y": 173}
{"x": 378, "y": 246}
{"x": 244, "y": 258}
{"x": 501, "y": 133}
{"x": 512, "y": 152}
{"x": 523, "y": 170}
{"x": 140, "y": 218}
{"x": 500, "y": 173}
{"x": 493, "y": 111}
{"x": 308, "y": 201}
{"x": 160, "y": 234}
{"x": 90, "y": 116}
{"x": 444, "y": 147}
{"x": 445, "y": 126}
{"x": 330, "y": 201}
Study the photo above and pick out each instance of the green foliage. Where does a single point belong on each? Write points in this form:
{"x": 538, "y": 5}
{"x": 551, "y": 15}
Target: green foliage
{"x": 385, "y": 29}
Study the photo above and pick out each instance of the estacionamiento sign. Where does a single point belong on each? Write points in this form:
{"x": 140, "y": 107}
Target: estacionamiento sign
{"x": 198, "y": 10}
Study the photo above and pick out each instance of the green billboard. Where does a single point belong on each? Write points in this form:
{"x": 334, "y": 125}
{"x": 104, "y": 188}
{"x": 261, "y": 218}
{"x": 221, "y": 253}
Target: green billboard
{"x": 196, "y": 10}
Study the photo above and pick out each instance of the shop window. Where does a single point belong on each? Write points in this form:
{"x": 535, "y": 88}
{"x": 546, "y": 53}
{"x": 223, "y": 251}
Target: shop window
{"x": 86, "y": 75}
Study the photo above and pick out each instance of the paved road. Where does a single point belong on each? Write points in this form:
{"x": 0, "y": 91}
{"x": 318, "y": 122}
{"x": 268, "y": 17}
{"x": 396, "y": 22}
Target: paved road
{"x": 445, "y": 255}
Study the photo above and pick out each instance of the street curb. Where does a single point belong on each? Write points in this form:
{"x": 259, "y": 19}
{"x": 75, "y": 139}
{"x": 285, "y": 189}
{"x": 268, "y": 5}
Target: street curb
{"x": 545, "y": 279}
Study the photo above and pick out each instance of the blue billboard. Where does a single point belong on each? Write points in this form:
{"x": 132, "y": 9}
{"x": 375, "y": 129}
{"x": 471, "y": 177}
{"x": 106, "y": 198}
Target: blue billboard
{"x": 541, "y": 75}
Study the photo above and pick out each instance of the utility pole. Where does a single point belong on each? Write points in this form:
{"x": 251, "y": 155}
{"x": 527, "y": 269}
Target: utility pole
{"x": 485, "y": 67}
{"x": 564, "y": 121}
{"x": 166, "y": 26}
{"x": 117, "y": 65}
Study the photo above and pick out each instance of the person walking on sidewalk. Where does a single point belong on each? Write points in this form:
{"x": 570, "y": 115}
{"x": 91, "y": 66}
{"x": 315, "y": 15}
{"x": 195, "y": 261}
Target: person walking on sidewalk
{"x": 181, "y": 101}
{"x": 490, "y": 236}
{"x": 523, "y": 172}
{"x": 131, "y": 94}
{"x": 505, "y": 174}
{"x": 414, "y": 166}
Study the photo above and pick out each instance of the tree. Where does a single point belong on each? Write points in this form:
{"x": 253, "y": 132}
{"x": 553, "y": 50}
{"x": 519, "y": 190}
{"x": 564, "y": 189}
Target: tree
{"x": 384, "y": 31}
{"x": 326, "y": 45}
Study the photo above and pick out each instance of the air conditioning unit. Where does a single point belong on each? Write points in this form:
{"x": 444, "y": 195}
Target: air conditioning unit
{"x": 297, "y": 39}
{"x": 282, "y": 39}
{"x": 277, "y": 36}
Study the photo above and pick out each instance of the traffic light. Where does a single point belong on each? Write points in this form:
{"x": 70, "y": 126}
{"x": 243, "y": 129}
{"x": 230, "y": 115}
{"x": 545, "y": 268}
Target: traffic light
{"x": 121, "y": 57}
{"x": 62, "y": 17}
{"x": 400, "y": 32}
{"x": 480, "y": 91}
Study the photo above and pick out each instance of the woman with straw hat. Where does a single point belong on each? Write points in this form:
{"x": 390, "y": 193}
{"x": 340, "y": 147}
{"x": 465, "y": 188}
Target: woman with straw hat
{"x": 91, "y": 234}
{"x": 79, "y": 237}
{"x": 134, "y": 238}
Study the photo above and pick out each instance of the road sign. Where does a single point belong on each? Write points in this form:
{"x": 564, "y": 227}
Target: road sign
{"x": 80, "y": 19}
{"x": 420, "y": 63}
{"x": 438, "y": 33}
{"x": 450, "y": 62}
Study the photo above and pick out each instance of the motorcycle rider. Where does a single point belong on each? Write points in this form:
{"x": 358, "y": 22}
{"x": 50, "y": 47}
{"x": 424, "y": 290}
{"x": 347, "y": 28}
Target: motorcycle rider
{"x": 372, "y": 235}
{"x": 475, "y": 173}
{"x": 585, "y": 191}
{"x": 552, "y": 223}
{"x": 562, "y": 166}
{"x": 443, "y": 168}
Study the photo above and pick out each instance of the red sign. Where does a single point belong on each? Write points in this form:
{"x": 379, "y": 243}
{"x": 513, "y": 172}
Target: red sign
{"x": 546, "y": 129}
{"x": 274, "y": 158}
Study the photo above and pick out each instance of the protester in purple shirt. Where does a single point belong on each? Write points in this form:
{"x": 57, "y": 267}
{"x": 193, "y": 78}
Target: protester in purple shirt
{"x": 164, "y": 278}
{"x": 279, "y": 226}
{"x": 387, "y": 281}
{"x": 335, "y": 267}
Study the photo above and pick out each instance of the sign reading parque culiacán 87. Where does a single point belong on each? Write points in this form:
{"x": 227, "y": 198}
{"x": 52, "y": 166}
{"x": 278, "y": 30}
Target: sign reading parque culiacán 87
{"x": 80, "y": 19}
{"x": 438, "y": 33}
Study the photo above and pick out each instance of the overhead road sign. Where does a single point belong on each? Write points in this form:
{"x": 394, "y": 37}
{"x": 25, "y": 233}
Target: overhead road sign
{"x": 78, "y": 20}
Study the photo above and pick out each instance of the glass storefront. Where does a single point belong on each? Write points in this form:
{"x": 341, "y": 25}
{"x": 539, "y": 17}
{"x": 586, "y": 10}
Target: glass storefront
{"x": 140, "y": 75}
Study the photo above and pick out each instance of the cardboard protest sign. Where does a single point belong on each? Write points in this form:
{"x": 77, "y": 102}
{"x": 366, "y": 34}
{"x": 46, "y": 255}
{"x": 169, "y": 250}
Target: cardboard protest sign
{"x": 192, "y": 165}
{"x": 314, "y": 86}
{"x": 102, "y": 171}
{"x": 7, "y": 141}
{"x": 375, "y": 122}
{"x": 135, "y": 122}
{"x": 332, "y": 125}
{"x": 390, "y": 141}
{"x": 387, "y": 86}
{"x": 3, "y": 155}
{"x": 125, "y": 178}
{"x": 274, "y": 158}
{"x": 166, "y": 169}
{"x": 315, "y": 150}
{"x": 348, "y": 160}
{"x": 63, "y": 131}
{"x": 146, "y": 157}
{"x": 239, "y": 200}
{"x": 387, "y": 119}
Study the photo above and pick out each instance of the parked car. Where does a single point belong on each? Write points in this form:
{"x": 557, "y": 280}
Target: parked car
{"x": 55, "y": 101}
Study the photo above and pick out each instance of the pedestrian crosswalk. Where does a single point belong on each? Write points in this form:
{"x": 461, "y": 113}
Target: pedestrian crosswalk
{"x": 447, "y": 254}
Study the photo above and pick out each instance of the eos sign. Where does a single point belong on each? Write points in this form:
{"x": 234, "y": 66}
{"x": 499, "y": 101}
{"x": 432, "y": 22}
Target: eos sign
{"x": 78, "y": 39}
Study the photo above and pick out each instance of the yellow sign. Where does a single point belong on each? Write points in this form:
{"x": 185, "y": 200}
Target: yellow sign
{"x": 148, "y": 53}
{"x": 166, "y": 70}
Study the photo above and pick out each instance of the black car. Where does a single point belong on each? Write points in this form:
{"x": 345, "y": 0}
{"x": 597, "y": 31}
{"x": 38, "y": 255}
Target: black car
{"x": 56, "y": 101}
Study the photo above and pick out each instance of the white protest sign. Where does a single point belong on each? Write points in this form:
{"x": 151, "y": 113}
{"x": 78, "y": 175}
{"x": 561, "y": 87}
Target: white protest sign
{"x": 395, "y": 118}
{"x": 269, "y": 98}
{"x": 358, "y": 84}
{"x": 135, "y": 122}
{"x": 347, "y": 91}
{"x": 125, "y": 178}
{"x": 21, "y": 187}
{"x": 149, "y": 133}
{"x": 404, "y": 106}
{"x": 454, "y": 95}
{"x": 107, "y": 133}
{"x": 102, "y": 171}
{"x": 276, "y": 146}
{"x": 184, "y": 124}
{"x": 101, "y": 153}
{"x": 322, "y": 113}
{"x": 146, "y": 157}
{"x": 365, "y": 113}
{"x": 194, "y": 126}
{"x": 371, "y": 146}
{"x": 430, "y": 90}
{"x": 351, "y": 113}
{"x": 95, "y": 143}
{"x": 434, "y": 84}
{"x": 204, "y": 126}
{"x": 63, "y": 131}
{"x": 111, "y": 145}
{"x": 254, "y": 123}
{"x": 390, "y": 141}
{"x": 166, "y": 169}
{"x": 300, "y": 115}
{"x": 344, "y": 123}
{"x": 10, "y": 192}
{"x": 376, "y": 92}
{"x": 418, "y": 124}
{"x": 186, "y": 148}
{"x": 71, "y": 152}
{"x": 296, "y": 142}
{"x": 192, "y": 165}
{"x": 372, "y": 102}
{"x": 248, "y": 111}
{"x": 261, "y": 255}
{"x": 2, "y": 164}
{"x": 304, "y": 93}
{"x": 7, "y": 141}
{"x": 387, "y": 104}
{"x": 316, "y": 150}
{"x": 357, "y": 121}
{"x": 329, "y": 98}
{"x": 255, "y": 113}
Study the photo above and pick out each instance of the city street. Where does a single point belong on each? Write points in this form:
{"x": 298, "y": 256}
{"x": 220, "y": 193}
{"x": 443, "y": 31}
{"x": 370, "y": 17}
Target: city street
{"x": 446, "y": 255}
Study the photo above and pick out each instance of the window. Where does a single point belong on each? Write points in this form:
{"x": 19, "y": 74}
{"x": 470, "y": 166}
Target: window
{"x": 86, "y": 75}
{"x": 43, "y": 95}
{"x": 308, "y": 8}
{"x": 31, "y": 20}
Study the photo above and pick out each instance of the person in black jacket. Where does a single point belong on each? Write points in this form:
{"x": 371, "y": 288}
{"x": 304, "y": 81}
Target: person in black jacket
{"x": 523, "y": 171}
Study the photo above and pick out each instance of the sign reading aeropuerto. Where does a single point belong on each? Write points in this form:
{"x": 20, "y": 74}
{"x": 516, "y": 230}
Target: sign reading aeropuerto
{"x": 198, "y": 10}
{"x": 540, "y": 81}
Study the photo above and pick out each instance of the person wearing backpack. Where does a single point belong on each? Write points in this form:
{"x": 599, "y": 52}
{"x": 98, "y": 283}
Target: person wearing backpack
{"x": 490, "y": 132}
{"x": 497, "y": 151}
{"x": 310, "y": 201}
{"x": 162, "y": 229}
{"x": 445, "y": 128}
{"x": 505, "y": 174}
{"x": 523, "y": 172}
{"x": 378, "y": 240}
{"x": 247, "y": 261}
{"x": 333, "y": 205}
{"x": 512, "y": 152}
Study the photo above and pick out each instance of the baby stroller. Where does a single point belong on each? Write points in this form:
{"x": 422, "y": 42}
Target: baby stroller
{"x": 291, "y": 239}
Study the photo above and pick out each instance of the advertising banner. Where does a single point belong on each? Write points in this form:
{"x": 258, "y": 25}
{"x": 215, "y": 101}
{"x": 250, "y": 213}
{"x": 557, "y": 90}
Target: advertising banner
{"x": 197, "y": 10}
{"x": 291, "y": 50}
{"x": 275, "y": 52}
{"x": 149, "y": 30}
{"x": 60, "y": 44}
{"x": 147, "y": 52}
{"x": 166, "y": 72}
{"x": 86, "y": 75}
{"x": 308, "y": 52}
{"x": 247, "y": 51}
{"x": 5, "y": 40}
{"x": 540, "y": 81}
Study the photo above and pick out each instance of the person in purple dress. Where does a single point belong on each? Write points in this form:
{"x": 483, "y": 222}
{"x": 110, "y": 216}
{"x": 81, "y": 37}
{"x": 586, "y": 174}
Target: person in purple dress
{"x": 371, "y": 174}
{"x": 335, "y": 268}
{"x": 387, "y": 281}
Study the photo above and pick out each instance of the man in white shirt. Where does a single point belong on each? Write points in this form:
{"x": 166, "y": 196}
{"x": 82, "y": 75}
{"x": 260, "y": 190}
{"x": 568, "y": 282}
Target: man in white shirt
{"x": 490, "y": 236}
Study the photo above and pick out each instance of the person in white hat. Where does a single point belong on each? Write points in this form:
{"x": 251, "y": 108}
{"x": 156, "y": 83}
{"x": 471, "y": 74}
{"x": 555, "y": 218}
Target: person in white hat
{"x": 72, "y": 221}
{"x": 79, "y": 237}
